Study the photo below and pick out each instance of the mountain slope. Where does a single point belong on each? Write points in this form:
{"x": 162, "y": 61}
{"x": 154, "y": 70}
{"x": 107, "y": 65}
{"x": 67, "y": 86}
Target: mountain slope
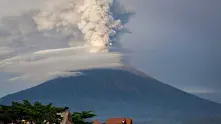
{"x": 118, "y": 92}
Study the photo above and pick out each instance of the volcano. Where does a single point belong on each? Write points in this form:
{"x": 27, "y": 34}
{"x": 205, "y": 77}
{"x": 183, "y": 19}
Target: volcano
{"x": 117, "y": 92}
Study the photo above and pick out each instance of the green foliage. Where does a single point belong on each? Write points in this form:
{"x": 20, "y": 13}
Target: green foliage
{"x": 26, "y": 111}
{"x": 5, "y": 113}
{"x": 80, "y": 117}
{"x": 39, "y": 113}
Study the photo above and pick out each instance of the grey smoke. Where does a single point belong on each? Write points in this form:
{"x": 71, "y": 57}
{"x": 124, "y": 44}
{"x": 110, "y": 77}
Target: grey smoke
{"x": 99, "y": 21}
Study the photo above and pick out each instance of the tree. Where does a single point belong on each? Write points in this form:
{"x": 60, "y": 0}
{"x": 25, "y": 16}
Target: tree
{"x": 5, "y": 113}
{"x": 80, "y": 117}
{"x": 39, "y": 113}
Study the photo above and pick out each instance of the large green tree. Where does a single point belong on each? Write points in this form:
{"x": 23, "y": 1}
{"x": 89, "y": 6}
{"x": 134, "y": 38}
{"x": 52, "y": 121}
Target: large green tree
{"x": 39, "y": 113}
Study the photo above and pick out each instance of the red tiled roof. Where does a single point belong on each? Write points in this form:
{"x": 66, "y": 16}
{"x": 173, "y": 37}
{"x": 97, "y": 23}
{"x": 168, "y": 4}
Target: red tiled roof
{"x": 95, "y": 122}
{"x": 118, "y": 120}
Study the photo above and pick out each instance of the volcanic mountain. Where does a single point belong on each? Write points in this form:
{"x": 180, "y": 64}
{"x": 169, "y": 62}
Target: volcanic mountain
{"x": 114, "y": 92}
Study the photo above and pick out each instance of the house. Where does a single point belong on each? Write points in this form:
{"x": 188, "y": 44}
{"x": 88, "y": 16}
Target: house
{"x": 119, "y": 121}
{"x": 95, "y": 122}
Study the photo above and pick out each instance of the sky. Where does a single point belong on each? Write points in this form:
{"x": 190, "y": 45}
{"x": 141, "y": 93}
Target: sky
{"x": 175, "y": 41}
{"x": 178, "y": 42}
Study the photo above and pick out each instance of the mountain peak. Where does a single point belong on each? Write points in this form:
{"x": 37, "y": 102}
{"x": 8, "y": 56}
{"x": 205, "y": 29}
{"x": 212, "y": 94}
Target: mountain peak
{"x": 120, "y": 91}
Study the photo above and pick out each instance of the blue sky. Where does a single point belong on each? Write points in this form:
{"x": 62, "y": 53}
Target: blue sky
{"x": 178, "y": 42}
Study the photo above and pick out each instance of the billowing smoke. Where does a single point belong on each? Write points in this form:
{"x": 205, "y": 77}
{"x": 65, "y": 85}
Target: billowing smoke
{"x": 90, "y": 21}
{"x": 54, "y": 40}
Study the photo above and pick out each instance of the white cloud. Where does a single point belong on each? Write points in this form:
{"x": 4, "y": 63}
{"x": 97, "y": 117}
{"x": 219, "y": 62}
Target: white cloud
{"x": 5, "y": 51}
{"x": 199, "y": 90}
{"x": 16, "y": 7}
{"x": 44, "y": 65}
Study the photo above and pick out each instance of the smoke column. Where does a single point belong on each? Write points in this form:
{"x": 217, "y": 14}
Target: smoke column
{"x": 38, "y": 39}
{"x": 92, "y": 19}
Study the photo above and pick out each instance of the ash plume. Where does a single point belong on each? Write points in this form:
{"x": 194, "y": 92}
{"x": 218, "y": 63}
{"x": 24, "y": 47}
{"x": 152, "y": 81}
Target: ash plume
{"x": 52, "y": 41}
{"x": 94, "y": 22}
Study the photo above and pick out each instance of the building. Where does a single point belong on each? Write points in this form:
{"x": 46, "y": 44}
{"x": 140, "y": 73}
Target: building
{"x": 119, "y": 121}
{"x": 95, "y": 122}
